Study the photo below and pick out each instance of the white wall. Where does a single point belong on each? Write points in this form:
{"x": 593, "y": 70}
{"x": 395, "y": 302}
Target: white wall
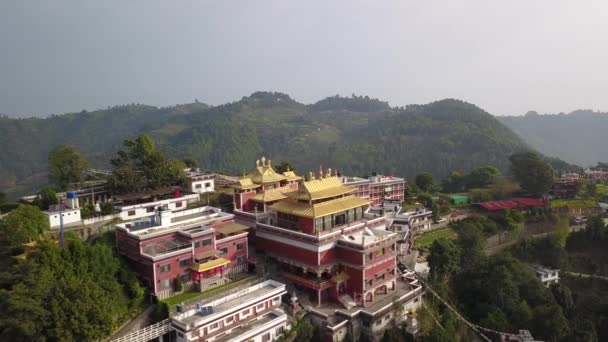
{"x": 141, "y": 210}
{"x": 202, "y": 186}
{"x": 69, "y": 216}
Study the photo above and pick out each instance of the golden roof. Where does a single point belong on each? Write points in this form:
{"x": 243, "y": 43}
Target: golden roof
{"x": 291, "y": 176}
{"x": 245, "y": 184}
{"x": 209, "y": 265}
{"x": 340, "y": 277}
{"x": 320, "y": 188}
{"x": 231, "y": 228}
{"x": 271, "y": 195}
{"x": 319, "y": 209}
{"x": 265, "y": 173}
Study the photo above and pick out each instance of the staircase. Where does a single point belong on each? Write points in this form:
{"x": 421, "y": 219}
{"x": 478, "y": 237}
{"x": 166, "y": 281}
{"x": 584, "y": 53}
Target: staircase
{"x": 347, "y": 301}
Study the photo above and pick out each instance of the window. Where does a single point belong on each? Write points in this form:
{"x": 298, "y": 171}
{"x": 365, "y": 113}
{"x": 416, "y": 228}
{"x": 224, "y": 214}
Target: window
{"x": 165, "y": 268}
{"x": 245, "y": 313}
{"x": 215, "y": 325}
{"x": 207, "y": 242}
{"x": 185, "y": 277}
{"x": 166, "y": 206}
{"x": 260, "y": 306}
{"x": 198, "y": 186}
{"x": 370, "y": 256}
{"x": 208, "y": 185}
{"x": 266, "y": 337}
{"x": 179, "y": 334}
{"x": 224, "y": 250}
{"x": 380, "y": 252}
{"x": 240, "y": 246}
{"x": 369, "y": 282}
{"x": 279, "y": 331}
{"x": 229, "y": 320}
{"x": 179, "y": 204}
{"x": 149, "y": 209}
{"x": 131, "y": 212}
{"x": 240, "y": 260}
{"x": 165, "y": 283}
{"x": 185, "y": 263}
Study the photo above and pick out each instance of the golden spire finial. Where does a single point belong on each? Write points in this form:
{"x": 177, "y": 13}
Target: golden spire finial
{"x": 320, "y": 171}
{"x": 328, "y": 172}
{"x": 263, "y": 161}
{"x": 269, "y": 162}
{"x": 312, "y": 176}
{"x": 257, "y": 162}
{"x": 288, "y": 168}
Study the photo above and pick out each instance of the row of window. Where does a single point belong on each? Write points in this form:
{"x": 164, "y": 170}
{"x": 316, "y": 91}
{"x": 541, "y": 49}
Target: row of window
{"x": 151, "y": 209}
{"x": 379, "y": 278}
{"x": 243, "y": 314}
{"x": 199, "y": 186}
{"x": 378, "y": 253}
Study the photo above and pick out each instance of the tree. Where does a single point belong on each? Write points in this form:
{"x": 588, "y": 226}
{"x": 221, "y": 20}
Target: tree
{"x": 534, "y": 175}
{"x": 190, "y": 162}
{"x": 23, "y": 224}
{"x": 66, "y": 166}
{"x": 46, "y": 197}
{"x": 284, "y": 166}
{"x": 304, "y": 331}
{"x": 142, "y": 166}
{"x": 178, "y": 284}
{"x": 2, "y": 198}
{"x": 455, "y": 182}
{"x": 591, "y": 189}
{"x": 425, "y": 181}
{"x": 444, "y": 257}
{"x": 563, "y": 297}
{"x": 482, "y": 177}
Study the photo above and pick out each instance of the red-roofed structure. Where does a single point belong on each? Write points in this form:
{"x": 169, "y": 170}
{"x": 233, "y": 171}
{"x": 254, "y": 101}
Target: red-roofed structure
{"x": 514, "y": 203}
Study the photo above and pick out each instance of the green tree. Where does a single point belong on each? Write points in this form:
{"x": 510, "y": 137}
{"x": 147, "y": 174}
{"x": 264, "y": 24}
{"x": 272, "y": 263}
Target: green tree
{"x": 304, "y": 331}
{"x": 46, "y": 197}
{"x": 178, "y": 284}
{"x": 190, "y": 162}
{"x": 2, "y": 198}
{"x": 455, "y": 182}
{"x": 284, "y": 166}
{"x": 425, "y": 181}
{"x": 534, "y": 174}
{"x": 66, "y": 166}
{"x": 591, "y": 189}
{"x": 563, "y": 297}
{"x": 444, "y": 257}
{"x": 482, "y": 177}
{"x": 23, "y": 224}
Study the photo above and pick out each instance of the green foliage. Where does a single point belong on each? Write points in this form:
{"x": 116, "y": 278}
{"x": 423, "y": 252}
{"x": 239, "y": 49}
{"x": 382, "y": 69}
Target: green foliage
{"x": 107, "y": 208}
{"x": 547, "y": 251}
{"x": 69, "y": 295}
{"x": 441, "y": 137}
{"x": 533, "y": 173}
{"x": 304, "y": 331}
{"x": 425, "y": 181}
{"x": 142, "y": 166}
{"x": 444, "y": 257}
{"x": 45, "y": 198}
{"x": 190, "y": 162}
{"x": 23, "y": 224}
{"x": 2, "y": 197}
{"x": 480, "y": 177}
{"x": 285, "y": 165}
{"x": 178, "y": 284}
{"x": 66, "y": 166}
{"x": 502, "y": 293}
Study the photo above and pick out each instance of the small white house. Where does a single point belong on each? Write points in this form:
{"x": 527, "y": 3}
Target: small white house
{"x": 136, "y": 211}
{"x": 546, "y": 275}
{"x": 70, "y": 215}
{"x": 199, "y": 182}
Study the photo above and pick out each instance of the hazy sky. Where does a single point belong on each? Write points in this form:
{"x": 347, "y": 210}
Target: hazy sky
{"x": 508, "y": 57}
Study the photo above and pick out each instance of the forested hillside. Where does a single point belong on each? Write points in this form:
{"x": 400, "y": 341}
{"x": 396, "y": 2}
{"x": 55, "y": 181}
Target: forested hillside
{"x": 356, "y": 135}
{"x": 578, "y": 137}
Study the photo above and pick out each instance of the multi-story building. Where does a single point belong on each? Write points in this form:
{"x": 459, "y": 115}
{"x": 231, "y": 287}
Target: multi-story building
{"x": 200, "y": 246}
{"x": 200, "y": 182}
{"x": 143, "y": 204}
{"x": 250, "y": 314}
{"x": 377, "y": 188}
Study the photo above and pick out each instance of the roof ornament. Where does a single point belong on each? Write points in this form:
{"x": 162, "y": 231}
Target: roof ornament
{"x": 257, "y": 163}
{"x": 263, "y": 161}
{"x": 320, "y": 171}
{"x": 312, "y": 176}
{"x": 269, "y": 161}
{"x": 328, "y": 172}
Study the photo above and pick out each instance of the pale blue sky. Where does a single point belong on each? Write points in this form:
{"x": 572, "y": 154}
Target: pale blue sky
{"x": 508, "y": 57}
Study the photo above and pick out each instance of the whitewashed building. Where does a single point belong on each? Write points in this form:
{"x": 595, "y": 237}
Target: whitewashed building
{"x": 200, "y": 182}
{"x": 546, "y": 275}
{"x": 139, "y": 210}
{"x": 251, "y": 314}
{"x": 68, "y": 211}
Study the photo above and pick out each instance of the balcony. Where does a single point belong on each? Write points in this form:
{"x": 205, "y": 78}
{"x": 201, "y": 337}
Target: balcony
{"x": 309, "y": 282}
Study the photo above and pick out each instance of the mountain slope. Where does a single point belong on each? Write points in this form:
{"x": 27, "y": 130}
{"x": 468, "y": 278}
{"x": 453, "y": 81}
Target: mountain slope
{"x": 578, "y": 137}
{"x": 356, "y": 135}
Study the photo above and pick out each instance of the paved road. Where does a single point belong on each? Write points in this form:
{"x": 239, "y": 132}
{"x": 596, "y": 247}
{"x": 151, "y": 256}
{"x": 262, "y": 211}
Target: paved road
{"x": 585, "y": 275}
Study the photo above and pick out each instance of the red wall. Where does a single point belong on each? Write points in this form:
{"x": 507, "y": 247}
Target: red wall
{"x": 328, "y": 256}
{"x": 232, "y": 252}
{"x": 355, "y": 283}
{"x": 382, "y": 267}
{"x": 307, "y": 225}
{"x": 292, "y": 252}
{"x": 350, "y": 256}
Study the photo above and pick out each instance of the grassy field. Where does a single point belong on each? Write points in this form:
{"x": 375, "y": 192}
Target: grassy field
{"x": 573, "y": 204}
{"x": 428, "y": 238}
{"x": 190, "y": 296}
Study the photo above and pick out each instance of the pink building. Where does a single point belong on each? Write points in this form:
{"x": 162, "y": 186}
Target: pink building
{"x": 377, "y": 188}
{"x": 200, "y": 246}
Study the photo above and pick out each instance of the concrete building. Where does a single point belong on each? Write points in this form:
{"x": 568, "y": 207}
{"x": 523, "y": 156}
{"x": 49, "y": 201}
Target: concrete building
{"x": 201, "y": 246}
{"x": 546, "y": 275}
{"x": 144, "y": 204}
{"x": 200, "y": 182}
{"x": 377, "y": 188}
{"x": 417, "y": 220}
{"x": 250, "y": 314}
{"x": 69, "y": 211}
